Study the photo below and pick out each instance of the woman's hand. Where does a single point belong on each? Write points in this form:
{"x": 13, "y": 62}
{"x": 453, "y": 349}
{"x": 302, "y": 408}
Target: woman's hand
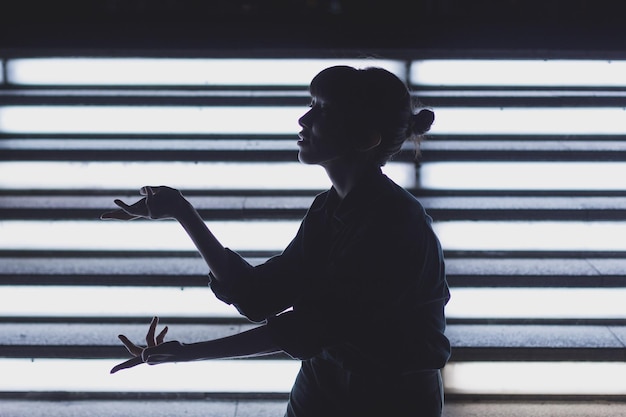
{"x": 156, "y": 351}
{"x": 159, "y": 203}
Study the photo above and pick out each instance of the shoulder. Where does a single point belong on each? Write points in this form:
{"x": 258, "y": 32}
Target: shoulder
{"x": 319, "y": 202}
{"x": 404, "y": 222}
{"x": 401, "y": 205}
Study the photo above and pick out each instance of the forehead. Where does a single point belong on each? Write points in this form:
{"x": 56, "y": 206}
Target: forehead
{"x": 337, "y": 85}
{"x": 338, "y": 105}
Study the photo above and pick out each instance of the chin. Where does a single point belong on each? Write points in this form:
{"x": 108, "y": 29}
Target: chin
{"x": 303, "y": 159}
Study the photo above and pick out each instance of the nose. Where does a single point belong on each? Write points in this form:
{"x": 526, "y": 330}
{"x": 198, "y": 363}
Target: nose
{"x": 304, "y": 120}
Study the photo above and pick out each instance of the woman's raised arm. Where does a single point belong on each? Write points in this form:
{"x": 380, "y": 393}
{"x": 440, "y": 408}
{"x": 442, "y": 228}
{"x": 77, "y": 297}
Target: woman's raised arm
{"x": 165, "y": 202}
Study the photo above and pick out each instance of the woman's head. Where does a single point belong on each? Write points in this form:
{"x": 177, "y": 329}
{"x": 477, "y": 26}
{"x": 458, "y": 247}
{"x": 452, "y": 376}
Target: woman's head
{"x": 372, "y": 101}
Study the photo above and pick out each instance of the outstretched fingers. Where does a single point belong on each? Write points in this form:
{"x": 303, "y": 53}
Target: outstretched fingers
{"x": 161, "y": 336}
{"x": 127, "y": 364}
{"x": 132, "y": 348}
{"x": 150, "y": 340}
{"x": 127, "y": 212}
{"x": 146, "y": 207}
{"x": 117, "y": 215}
{"x": 138, "y": 209}
{"x": 148, "y": 190}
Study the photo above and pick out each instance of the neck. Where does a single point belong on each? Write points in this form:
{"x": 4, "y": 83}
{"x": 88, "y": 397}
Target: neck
{"x": 346, "y": 175}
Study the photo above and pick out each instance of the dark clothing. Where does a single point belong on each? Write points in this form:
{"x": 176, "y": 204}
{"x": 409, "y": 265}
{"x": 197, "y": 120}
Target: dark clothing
{"x": 362, "y": 284}
{"x": 324, "y": 389}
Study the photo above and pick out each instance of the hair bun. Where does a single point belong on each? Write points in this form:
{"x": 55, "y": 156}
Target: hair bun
{"x": 422, "y": 121}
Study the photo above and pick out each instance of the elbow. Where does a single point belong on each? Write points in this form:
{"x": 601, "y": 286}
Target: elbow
{"x": 254, "y": 316}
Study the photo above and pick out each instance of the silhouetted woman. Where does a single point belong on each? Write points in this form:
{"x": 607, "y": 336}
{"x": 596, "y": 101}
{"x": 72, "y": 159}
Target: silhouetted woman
{"x": 359, "y": 294}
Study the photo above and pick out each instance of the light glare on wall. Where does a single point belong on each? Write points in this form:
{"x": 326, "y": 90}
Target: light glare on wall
{"x": 283, "y": 120}
{"x": 518, "y": 73}
{"x": 537, "y": 303}
{"x": 244, "y": 376}
{"x": 237, "y": 376}
{"x": 275, "y": 235}
{"x": 95, "y": 301}
{"x": 151, "y": 119}
{"x": 115, "y": 235}
{"x": 182, "y": 175}
{"x": 513, "y": 175}
{"x": 182, "y": 72}
{"x": 465, "y": 303}
{"x": 529, "y": 121}
{"x": 536, "y": 378}
{"x": 523, "y": 235}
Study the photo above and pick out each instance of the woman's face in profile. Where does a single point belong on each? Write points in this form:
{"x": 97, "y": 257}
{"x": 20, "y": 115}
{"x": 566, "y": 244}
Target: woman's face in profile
{"x": 325, "y": 134}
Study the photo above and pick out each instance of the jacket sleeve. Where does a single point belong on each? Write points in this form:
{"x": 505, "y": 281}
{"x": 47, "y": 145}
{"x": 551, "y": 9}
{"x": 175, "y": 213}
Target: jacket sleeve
{"x": 262, "y": 291}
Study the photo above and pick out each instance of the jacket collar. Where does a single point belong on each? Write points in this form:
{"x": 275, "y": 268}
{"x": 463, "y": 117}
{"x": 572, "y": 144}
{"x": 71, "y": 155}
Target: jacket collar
{"x": 370, "y": 189}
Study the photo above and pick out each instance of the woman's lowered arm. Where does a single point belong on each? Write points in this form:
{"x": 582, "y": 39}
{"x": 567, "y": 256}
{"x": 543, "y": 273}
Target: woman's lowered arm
{"x": 254, "y": 342}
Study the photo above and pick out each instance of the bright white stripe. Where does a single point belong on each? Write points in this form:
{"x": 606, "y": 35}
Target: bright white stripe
{"x": 169, "y": 71}
{"x": 529, "y": 121}
{"x": 181, "y": 175}
{"x": 150, "y": 119}
{"x": 275, "y": 235}
{"x": 532, "y": 235}
{"x": 140, "y": 235}
{"x": 239, "y": 376}
{"x": 537, "y": 303}
{"x": 93, "y": 376}
{"x": 524, "y": 175}
{"x": 519, "y": 73}
{"x": 44, "y": 175}
{"x": 283, "y": 120}
{"x": 101, "y": 301}
{"x": 536, "y": 378}
{"x": 150, "y": 144}
{"x": 465, "y": 303}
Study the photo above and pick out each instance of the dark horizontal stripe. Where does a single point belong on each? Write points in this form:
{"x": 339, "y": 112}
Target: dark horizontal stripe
{"x": 299, "y": 96}
{"x": 140, "y": 320}
{"x": 195, "y": 404}
{"x": 478, "y": 342}
{"x": 522, "y": 98}
{"x": 230, "y": 155}
{"x": 191, "y": 271}
{"x": 536, "y": 281}
{"x": 449, "y": 254}
{"x": 271, "y": 206}
{"x": 547, "y": 354}
{"x": 592, "y": 140}
{"x": 144, "y": 97}
{"x": 536, "y": 321}
{"x": 183, "y": 280}
{"x": 85, "y": 352}
{"x": 138, "y": 403}
{"x": 527, "y": 254}
{"x": 108, "y": 254}
{"x": 284, "y": 149}
{"x": 523, "y": 148}
{"x": 284, "y": 155}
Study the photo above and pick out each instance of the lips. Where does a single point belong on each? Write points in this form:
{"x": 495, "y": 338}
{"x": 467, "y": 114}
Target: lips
{"x": 303, "y": 138}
